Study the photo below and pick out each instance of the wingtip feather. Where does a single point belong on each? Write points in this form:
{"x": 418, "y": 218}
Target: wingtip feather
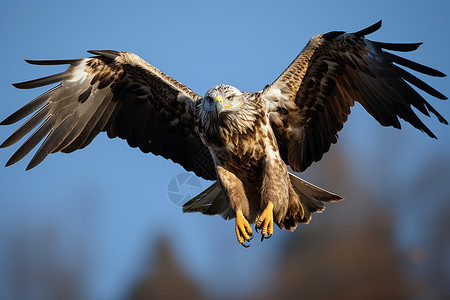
{"x": 6, "y": 122}
{"x": 16, "y": 85}
{"x": 52, "y": 62}
{"x": 403, "y": 47}
{"x": 42, "y": 81}
{"x": 368, "y": 30}
{"x": 3, "y": 145}
{"x": 32, "y": 164}
{"x": 12, "y": 160}
{"x": 107, "y": 53}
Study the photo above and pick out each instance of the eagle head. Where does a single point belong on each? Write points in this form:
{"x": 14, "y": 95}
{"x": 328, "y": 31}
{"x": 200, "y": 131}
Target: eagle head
{"x": 222, "y": 98}
{"x": 225, "y": 111}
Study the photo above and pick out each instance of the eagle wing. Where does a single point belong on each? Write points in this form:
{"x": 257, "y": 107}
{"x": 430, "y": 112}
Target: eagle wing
{"x": 116, "y": 92}
{"x": 310, "y": 101}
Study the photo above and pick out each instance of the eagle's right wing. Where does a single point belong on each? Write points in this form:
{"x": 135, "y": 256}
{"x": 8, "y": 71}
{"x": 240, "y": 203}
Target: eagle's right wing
{"x": 310, "y": 101}
{"x": 116, "y": 92}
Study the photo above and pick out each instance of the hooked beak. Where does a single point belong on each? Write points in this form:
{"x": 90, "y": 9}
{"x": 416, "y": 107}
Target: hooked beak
{"x": 219, "y": 104}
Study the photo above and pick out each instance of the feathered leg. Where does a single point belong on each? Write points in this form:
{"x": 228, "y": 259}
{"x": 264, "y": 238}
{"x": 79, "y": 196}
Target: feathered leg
{"x": 274, "y": 194}
{"x": 235, "y": 191}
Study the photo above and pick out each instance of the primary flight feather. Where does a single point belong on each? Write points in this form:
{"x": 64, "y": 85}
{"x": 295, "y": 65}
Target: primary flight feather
{"x": 243, "y": 141}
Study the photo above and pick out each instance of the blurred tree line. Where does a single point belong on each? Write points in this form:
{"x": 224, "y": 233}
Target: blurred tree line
{"x": 353, "y": 250}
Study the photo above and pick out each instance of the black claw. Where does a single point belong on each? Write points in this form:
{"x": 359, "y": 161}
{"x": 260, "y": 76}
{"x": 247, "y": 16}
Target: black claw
{"x": 265, "y": 236}
{"x": 251, "y": 237}
{"x": 244, "y": 245}
{"x": 256, "y": 229}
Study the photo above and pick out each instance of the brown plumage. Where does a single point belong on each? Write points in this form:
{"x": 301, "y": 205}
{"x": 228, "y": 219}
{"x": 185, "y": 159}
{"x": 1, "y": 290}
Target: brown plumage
{"x": 243, "y": 140}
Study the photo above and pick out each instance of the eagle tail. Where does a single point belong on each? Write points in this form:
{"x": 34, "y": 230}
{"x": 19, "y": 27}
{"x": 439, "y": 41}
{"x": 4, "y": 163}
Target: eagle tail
{"x": 211, "y": 201}
{"x": 307, "y": 199}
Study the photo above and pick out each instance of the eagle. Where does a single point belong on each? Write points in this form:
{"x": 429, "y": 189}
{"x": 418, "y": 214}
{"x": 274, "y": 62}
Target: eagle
{"x": 248, "y": 143}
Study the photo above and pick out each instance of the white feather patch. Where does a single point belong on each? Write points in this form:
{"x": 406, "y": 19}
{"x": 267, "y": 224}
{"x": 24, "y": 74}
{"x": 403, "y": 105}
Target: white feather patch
{"x": 79, "y": 72}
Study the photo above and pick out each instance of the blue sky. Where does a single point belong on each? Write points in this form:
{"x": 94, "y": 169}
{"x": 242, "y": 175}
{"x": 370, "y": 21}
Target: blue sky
{"x": 115, "y": 196}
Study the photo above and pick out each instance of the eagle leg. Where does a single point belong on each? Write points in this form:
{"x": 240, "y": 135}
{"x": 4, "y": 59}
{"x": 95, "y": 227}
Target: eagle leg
{"x": 265, "y": 222}
{"x": 243, "y": 229}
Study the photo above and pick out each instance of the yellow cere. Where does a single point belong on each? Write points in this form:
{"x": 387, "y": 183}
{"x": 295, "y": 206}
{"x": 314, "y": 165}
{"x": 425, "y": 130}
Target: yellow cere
{"x": 219, "y": 98}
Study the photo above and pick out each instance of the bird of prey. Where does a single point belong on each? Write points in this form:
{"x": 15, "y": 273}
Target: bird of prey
{"x": 243, "y": 141}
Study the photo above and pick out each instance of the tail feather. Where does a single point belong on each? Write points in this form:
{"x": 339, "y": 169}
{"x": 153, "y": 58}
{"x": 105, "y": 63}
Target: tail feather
{"x": 211, "y": 201}
{"x": 311, "y": 192}
{"x": 310, "y": 200}
{"x": 305, "y": 199}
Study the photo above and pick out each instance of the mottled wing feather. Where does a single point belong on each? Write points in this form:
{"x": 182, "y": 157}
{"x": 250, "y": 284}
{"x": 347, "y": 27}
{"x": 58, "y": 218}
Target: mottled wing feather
{"x": 116, "y": 92}
{"x": 311, "y": 100}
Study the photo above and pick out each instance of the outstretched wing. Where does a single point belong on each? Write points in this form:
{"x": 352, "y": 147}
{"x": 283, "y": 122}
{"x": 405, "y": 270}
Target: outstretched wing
{"x": 116, "y": 92}
{"x": 310, "y": 101}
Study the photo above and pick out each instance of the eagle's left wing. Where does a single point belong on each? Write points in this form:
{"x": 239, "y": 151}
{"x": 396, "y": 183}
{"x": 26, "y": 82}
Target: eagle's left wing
{"x": 116, "y": 92}
{"x": 310, "y": 101}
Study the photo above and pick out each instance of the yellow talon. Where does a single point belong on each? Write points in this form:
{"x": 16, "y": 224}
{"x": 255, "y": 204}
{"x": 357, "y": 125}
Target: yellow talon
{"x": 243, "y": 229}
{"x": 265, "y": 221}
